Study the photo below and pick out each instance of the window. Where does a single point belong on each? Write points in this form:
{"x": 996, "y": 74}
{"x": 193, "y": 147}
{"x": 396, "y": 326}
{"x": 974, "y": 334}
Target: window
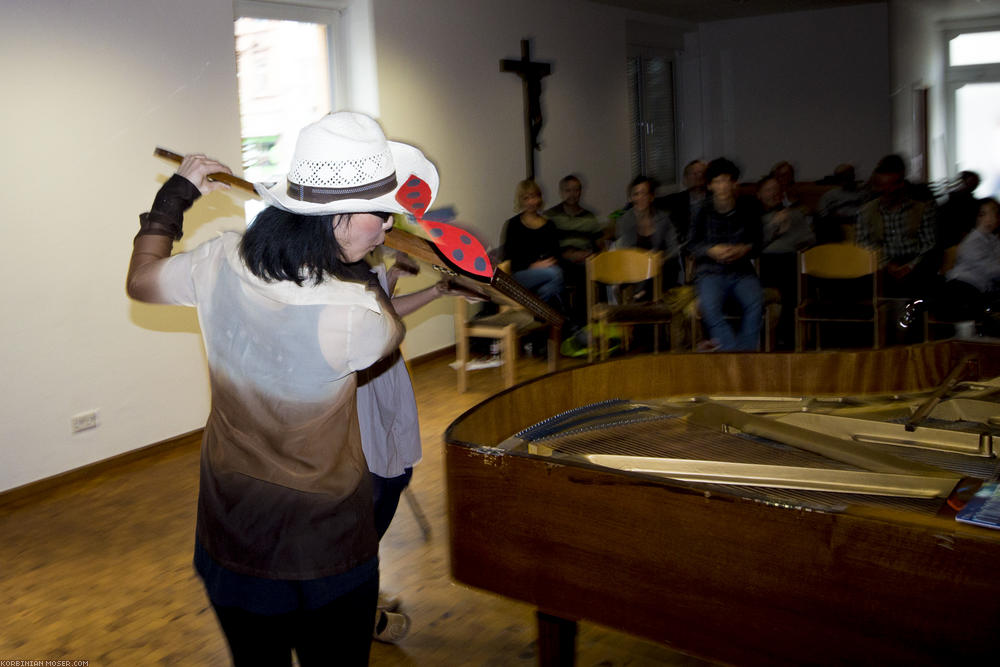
{"x": 651, "y": 110}
{"x": 295, "y": 63}
{"x": 973, "y": 105}
{"x": 974, "y": 48}
{"x": 284, "y": 84}
{"x": 285, "y": 61}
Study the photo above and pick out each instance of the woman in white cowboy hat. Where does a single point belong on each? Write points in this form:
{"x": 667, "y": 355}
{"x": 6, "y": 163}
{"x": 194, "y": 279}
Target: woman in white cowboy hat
{"x": 285, "y": 539}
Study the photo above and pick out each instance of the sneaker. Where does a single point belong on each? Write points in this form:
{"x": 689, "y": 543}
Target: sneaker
{"x": 390, "y": 626}
{"x": 388, "y": 602}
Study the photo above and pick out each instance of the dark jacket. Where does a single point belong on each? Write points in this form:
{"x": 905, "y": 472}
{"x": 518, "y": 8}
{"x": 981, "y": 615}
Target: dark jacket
{"x": 740, "y": 225}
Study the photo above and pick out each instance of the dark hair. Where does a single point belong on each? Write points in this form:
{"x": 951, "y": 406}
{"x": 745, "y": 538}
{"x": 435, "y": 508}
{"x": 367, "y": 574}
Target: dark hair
{"x": 782, "y": 165}
{"x": 765, "y": 179}
{"x": 720, "y": 166}
{"x": 639, "y": 180}
{"x": 844, "y": 173}
{"x": 281, "y": 245}
{"x": 567, "y": 178}
{"x": 891, "y": 164}
{"x": 689, "y": 165}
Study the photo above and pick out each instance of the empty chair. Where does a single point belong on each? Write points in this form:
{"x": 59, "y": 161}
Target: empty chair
{"x": 627, "y": 266}
{"x": 838, "y": 282}
{"x": 506, "y": 327}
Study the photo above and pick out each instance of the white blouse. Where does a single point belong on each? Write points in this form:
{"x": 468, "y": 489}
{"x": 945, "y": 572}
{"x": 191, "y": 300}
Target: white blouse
{"x": 285, "y": 491}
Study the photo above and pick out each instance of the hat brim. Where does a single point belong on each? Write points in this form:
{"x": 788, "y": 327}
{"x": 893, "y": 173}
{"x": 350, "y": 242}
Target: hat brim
{"x": 407, "y": 161}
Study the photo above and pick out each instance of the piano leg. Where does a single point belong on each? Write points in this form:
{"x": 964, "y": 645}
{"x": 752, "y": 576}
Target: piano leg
{"x": 556, "y": 641}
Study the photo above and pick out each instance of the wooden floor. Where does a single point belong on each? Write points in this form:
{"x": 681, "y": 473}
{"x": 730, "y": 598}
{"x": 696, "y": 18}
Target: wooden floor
{"x": 100, "y": 569}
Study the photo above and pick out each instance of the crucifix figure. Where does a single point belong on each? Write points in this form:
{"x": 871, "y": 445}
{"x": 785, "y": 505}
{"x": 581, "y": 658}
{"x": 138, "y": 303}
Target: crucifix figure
{"x": 531, "y": 75}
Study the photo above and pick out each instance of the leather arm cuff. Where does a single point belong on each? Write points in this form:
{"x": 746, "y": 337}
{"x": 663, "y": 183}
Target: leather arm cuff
{"x": 166, "y": 217}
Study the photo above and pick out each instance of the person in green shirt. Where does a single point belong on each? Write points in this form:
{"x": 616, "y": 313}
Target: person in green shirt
{"x": 580, "y": 235}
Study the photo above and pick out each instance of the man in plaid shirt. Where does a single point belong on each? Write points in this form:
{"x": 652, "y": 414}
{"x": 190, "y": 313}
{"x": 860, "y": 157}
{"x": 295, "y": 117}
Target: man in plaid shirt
{"x": 902, "y": 229}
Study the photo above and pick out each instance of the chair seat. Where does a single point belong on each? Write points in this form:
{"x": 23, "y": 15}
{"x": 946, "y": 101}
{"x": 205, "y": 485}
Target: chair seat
{"x": 504, "y": 327}
{"x": 521, "y": 319}
{"x": 636, "y": 313}
{"x": 847, "y": 311}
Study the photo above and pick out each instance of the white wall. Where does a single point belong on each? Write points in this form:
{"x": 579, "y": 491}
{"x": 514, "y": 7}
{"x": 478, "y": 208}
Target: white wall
{"x": 90, "y": 88}
{"x": 809, "y": 87}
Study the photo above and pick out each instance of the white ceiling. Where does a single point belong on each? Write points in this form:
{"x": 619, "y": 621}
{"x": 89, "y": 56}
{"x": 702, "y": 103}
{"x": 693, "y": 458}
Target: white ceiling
{"x": 697, "y": 11}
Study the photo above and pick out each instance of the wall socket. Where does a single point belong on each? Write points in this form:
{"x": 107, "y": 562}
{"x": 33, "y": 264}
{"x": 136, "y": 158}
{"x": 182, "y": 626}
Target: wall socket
{"x": 83, "y": 421}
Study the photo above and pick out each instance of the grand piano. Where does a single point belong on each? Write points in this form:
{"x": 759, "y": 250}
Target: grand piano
{"x": 721, "y": 572}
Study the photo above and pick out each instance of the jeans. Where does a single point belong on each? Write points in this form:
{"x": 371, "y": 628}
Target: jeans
{"x": 714, "y": 289}
{"x": 547, "y": 283}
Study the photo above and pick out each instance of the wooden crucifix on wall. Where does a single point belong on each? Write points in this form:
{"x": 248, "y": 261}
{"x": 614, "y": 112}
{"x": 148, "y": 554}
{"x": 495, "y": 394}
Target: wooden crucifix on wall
{"x": 531, "y": 74}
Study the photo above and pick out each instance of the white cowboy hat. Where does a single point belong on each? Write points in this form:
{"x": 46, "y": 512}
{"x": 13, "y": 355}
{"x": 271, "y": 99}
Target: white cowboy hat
{"x": 344, "y": 164}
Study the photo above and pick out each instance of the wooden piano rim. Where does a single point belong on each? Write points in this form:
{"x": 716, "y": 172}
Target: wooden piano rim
{"x": 869, "y": 583}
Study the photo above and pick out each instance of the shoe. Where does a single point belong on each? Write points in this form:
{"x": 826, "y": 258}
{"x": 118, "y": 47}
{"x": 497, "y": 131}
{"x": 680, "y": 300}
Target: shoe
{"x": 388, "y": 602}
{"x": 710, "y": 345}
{"x": 390, "y": 626}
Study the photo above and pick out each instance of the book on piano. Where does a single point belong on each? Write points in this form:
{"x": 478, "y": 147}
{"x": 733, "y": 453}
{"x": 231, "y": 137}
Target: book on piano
{"x": 984, "y": 508}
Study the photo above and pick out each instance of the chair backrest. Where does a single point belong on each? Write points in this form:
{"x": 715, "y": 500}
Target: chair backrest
{"x": 620, "y": 267}
{"x": 838, "y": 260}
{"x": 843, "y": 261}
{"x": 625, "y": 265}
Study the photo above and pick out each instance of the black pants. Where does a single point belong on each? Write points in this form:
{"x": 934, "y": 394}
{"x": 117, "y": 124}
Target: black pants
{"x": 385, "y": 493}
{"x": 956, "y": 301}
{"x": 339, "y": 633}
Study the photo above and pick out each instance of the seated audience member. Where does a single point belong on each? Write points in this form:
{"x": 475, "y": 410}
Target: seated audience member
{"x": 786, "y": 231}
{"x": 683, "y": 206}
{"x": 531, "y": 243}
{"x": 580, "y": 236}
{"x": 784, "y": 174}
{"x": 902, "y": 229}
{"x": 974, "y": 282}
{"x": 580, "y": 231}
{"x": 957, "y": 216}
{"x": 838, "y": 207}
{"x": 646, "y": 227}
{"x": 725, "y": 237}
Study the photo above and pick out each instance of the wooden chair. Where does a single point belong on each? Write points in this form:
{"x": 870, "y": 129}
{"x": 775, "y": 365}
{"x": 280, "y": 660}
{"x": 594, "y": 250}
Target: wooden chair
{"x": 832, "y": 262}
{"x": 623, "y": 267}
{"x": 507, "y": 326}
{"x": 947, "y": 264}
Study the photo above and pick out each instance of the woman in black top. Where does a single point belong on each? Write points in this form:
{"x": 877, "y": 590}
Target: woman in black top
{"x": 531, "y": 244}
